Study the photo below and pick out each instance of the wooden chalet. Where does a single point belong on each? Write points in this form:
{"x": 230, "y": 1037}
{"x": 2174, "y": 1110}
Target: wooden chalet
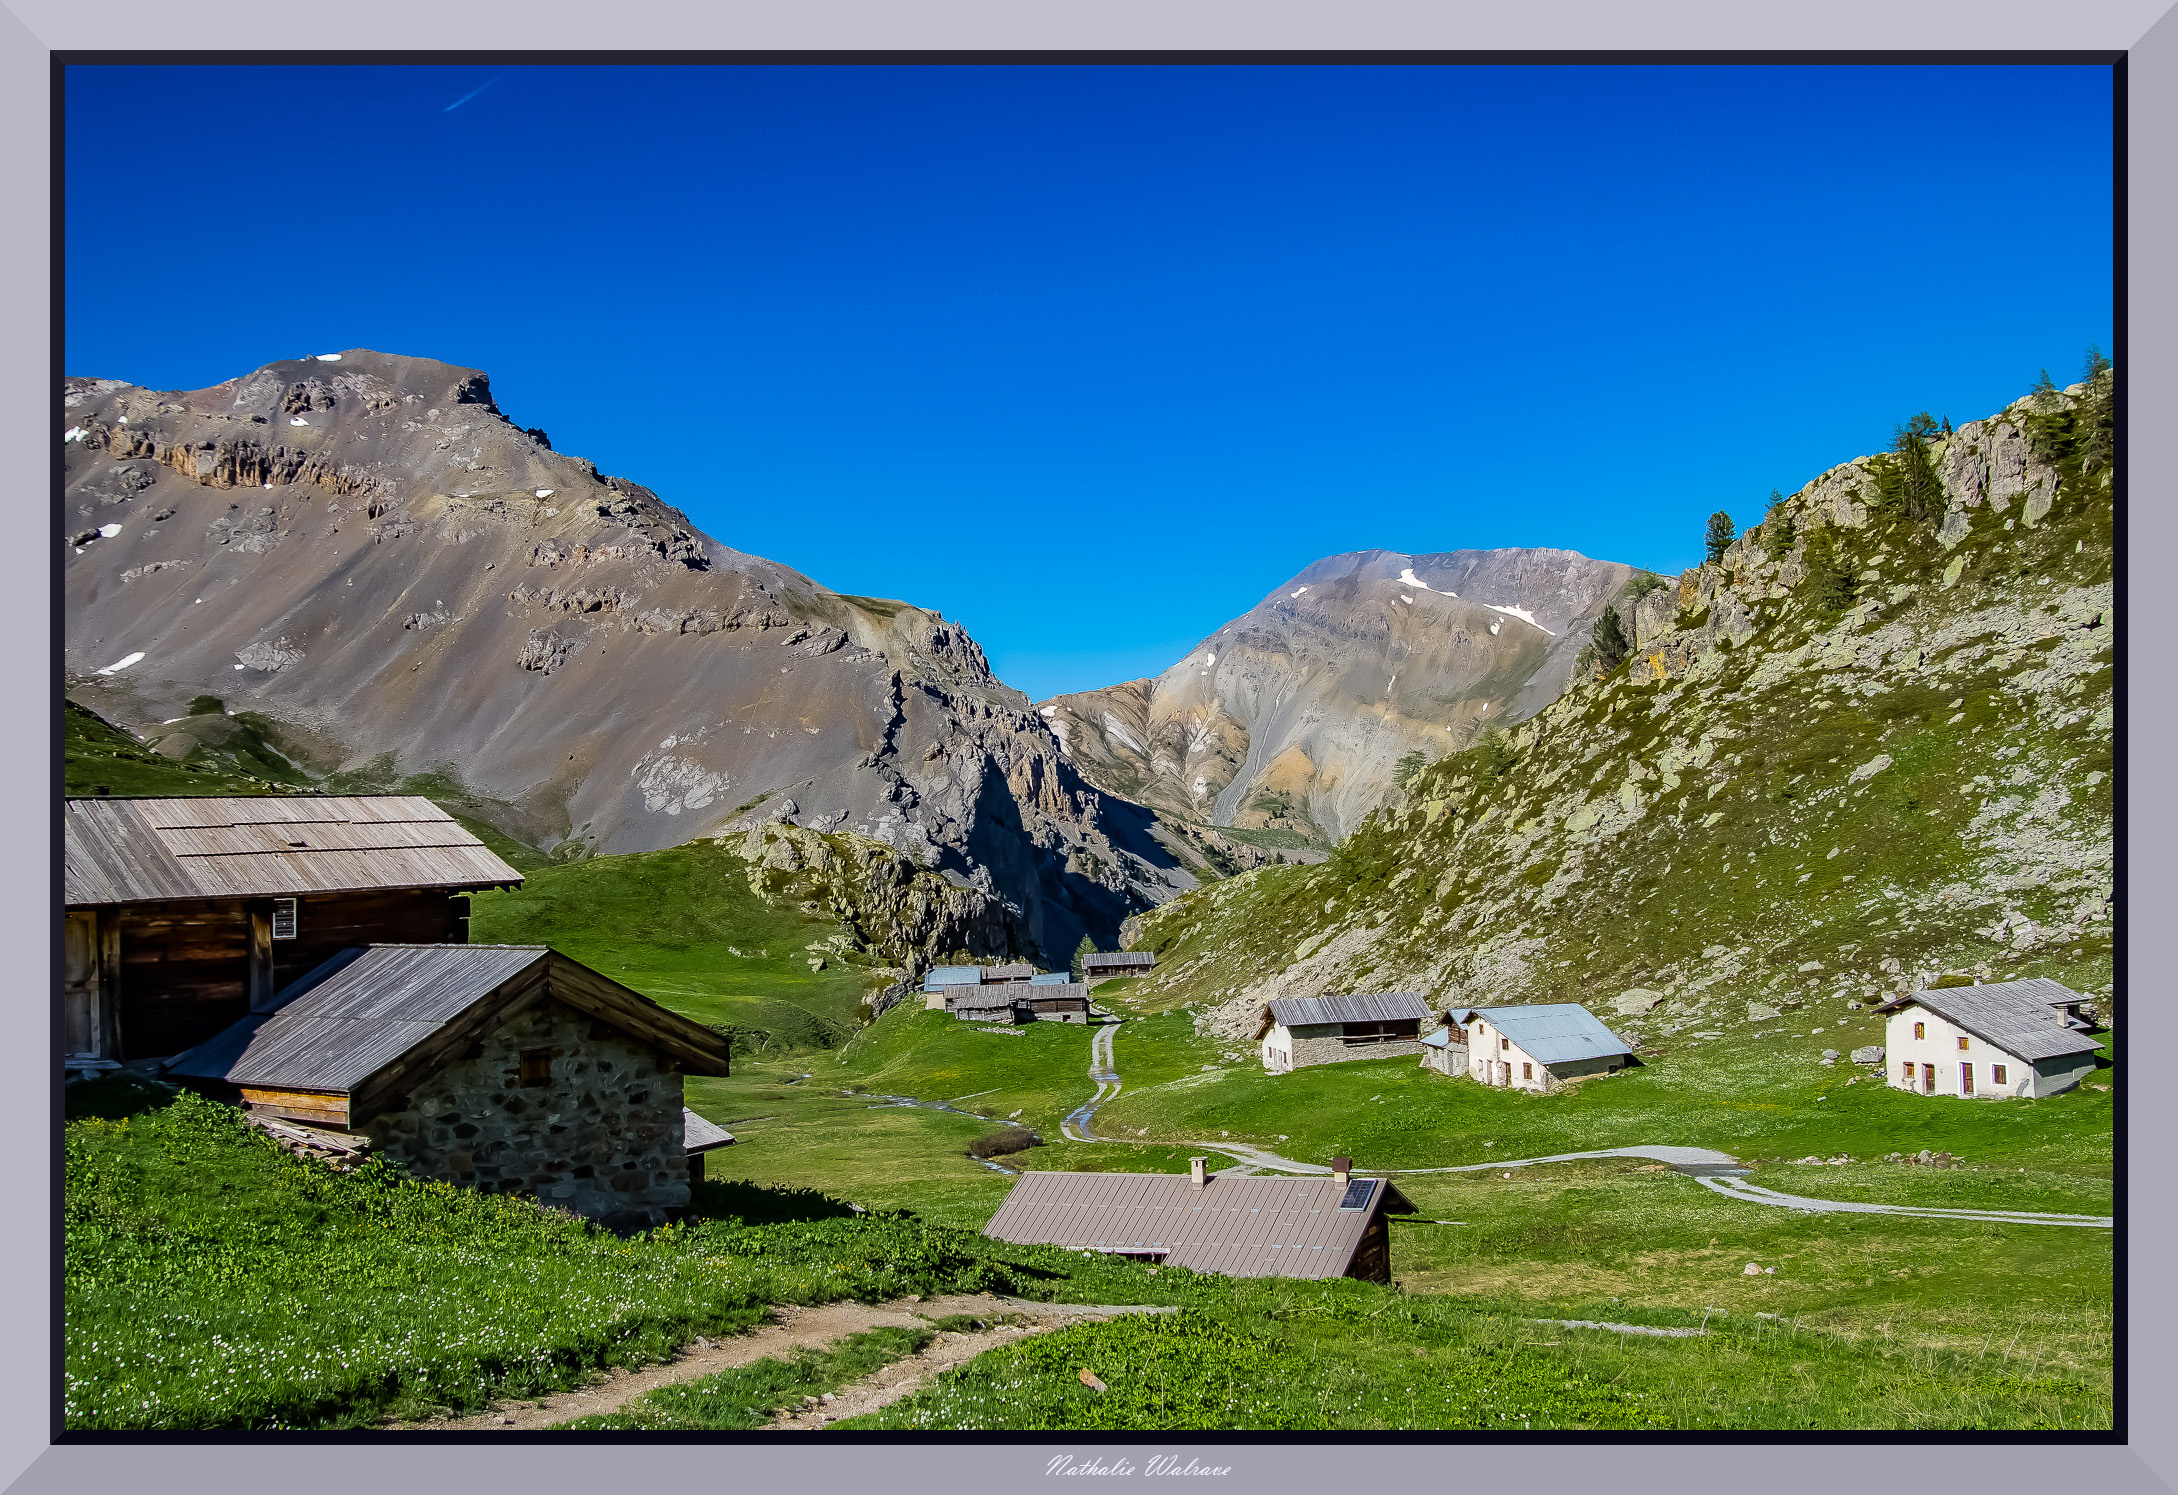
{"x": 184, "y": 915}
{"x": 1014, "y": 1002}
{"x": 1121, "y": 963}
{"x": 508, "y": 1068}
{"x": 1259, "y": 1226}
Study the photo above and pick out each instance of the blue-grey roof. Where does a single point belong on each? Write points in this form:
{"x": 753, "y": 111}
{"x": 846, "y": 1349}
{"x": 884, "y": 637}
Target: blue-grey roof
{"x": 1051, "y": 978}
{"x": 943, "y": 976}
{"x": 1439, "y": 1039}
{"x": 1556, "y": 1033}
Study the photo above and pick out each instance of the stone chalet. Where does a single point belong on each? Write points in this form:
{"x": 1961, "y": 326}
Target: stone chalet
{"x": 1989, "y": 1042}
{"x": 1298, "y": 1031}
{"x": 1536, "y": 1048}
{"x": 507, "y": 1068}
{"x": 1014, "y": 1002}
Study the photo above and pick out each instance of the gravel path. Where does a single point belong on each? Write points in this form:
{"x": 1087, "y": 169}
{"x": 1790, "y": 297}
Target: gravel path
{"x": 1716, "y": 1171}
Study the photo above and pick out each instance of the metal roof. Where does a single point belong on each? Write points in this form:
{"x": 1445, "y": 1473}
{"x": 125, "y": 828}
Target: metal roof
{"x": 2021, "y": 1017}
{"x": 1441, "y": 1038}
{"x": 154, "y": 850}
{"x": 1555, "y": 1033}
{"x": 1261, "y": 1226}
{"x": 1368, "y": 1007}
{"x": 1119, "y": 960}
{"x": 944, "y": 976}
{"x": 1051, "y": 978}
{"x": 364, "y": 1009}
{"x": 699, "y": 1135}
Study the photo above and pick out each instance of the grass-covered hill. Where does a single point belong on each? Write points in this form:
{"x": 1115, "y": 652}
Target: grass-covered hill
{"x": 1868, "y": 744}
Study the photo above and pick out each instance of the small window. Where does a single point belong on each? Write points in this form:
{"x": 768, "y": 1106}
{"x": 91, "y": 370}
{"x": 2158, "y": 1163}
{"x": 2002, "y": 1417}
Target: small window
{"x": 1504, "y": 1044}
{"x": 1527, "y": 1071}
{"x": 1920, "y": 1030}
{"x": 283, "y": 918}
{"x": 1996, "y": 1074}
{"x": 1962, "y": 1043}
{"x": 536, "y": 1066}
{"x": 1908, "y": 1068}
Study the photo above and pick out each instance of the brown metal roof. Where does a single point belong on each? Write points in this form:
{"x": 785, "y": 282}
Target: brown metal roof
{"x": 155, "y": 850}
{"x": 1260, "y": 1226}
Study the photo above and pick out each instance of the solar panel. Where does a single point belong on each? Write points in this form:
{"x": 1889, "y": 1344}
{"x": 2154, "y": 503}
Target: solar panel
{"x": 1357, "y": 1193}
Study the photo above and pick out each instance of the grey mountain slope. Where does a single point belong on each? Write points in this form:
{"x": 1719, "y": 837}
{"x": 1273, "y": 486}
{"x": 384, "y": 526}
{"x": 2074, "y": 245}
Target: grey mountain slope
{"x": 1295, "y": 714}
{"x": 364, "y": 549}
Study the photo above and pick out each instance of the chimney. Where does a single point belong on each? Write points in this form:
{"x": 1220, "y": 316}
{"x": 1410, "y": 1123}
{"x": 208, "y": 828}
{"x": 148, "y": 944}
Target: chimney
{"x": 1341, "y": 1170}
{"x": 1198, "y": 1169}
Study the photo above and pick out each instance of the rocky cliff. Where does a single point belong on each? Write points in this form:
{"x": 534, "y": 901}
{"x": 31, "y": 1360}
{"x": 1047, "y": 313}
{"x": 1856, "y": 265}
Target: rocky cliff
{"x": 364, "y": 552}
{"x": 1871, "y": 745}
{"x": 1295, "y": 715}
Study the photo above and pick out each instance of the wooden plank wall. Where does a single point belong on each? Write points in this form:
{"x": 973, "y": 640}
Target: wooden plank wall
{"x": 184, "y": 967}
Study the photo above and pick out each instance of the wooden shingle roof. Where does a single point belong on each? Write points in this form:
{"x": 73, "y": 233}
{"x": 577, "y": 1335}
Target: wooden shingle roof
{"x": 157, "y": 850}
{"x": 1365, "y": 1007}
{"x": 2025, "y": 1018}
{"x": 1262, "y": 1226}
{"x": 370, "y": 1021}
{"x": 1123, "y": 960}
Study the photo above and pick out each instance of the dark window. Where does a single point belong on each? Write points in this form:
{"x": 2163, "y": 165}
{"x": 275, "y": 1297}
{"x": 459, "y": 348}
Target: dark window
{"x": 536, "y": 1066}
{"x": 1996, "y": 1074}
{"x": 1382, "y": 1032}
{"x": 283, "y": 918}
{"x": 1527, "y": 1071}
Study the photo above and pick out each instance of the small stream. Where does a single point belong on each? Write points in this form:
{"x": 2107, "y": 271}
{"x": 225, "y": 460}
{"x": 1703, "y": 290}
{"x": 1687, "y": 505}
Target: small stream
{"x": 887, "y": 1102}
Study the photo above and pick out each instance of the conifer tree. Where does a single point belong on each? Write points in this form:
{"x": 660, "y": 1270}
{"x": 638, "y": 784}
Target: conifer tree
{"x": 1720, "y": 537}
{"x": 1610, "y": 641}
{"x": 1087, "y": 946}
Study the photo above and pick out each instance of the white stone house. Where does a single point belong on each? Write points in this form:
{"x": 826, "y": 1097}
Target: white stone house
{"x": 1989, "y": 1042}
{"x": 1297, "y": 1031}
{"x": 1537, "y": 1048}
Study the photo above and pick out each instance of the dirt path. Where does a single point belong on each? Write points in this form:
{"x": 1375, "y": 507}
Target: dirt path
{"x": 791, "y": 1329}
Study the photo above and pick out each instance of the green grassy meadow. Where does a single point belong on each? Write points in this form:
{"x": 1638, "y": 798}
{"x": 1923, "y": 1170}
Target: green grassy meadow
{"x": 682, "y": 927}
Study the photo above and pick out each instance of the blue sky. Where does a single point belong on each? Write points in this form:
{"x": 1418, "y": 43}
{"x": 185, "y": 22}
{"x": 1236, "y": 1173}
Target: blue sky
{"x": 1092, "y": 358}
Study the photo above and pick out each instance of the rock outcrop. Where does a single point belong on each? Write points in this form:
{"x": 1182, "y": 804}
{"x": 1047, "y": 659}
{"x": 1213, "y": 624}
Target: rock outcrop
{"x": 363, "y": 551}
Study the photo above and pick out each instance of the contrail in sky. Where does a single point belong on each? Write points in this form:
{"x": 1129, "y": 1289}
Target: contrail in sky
{"x": 472, "y": 93}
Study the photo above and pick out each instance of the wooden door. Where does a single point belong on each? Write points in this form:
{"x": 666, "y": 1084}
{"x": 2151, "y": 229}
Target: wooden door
{"x": 1928, "y": 1079}
{"x": 80, "y": 993}
{"x": 1966, "y": 1079}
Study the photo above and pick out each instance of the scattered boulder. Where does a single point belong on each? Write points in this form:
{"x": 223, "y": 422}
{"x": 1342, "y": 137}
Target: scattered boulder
{"x": 1751, "y": 1270}
{"x": 1871, "y": 1054}
{"x": 1636, "y": 1000}
{"x": 1830, "y": 1056}
{"x": 1761, "y": 1012}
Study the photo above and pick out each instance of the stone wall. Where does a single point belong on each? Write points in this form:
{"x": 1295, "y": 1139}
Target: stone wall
{"x": 601, "y": 1136}
{"x": 1320, "y": 1043}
